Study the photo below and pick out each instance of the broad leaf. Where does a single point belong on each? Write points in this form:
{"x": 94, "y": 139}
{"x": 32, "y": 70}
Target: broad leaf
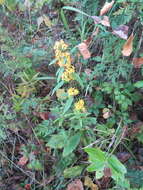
{"x": 73, "y": 171}
{"x": 139, "y": 84}
{"x": 57, "y": 141}
{"x": 96, "y": 166}
{"x": 95, "y": 154}
{"x": 72, "y": 143}
{"x": 116, "y": 165}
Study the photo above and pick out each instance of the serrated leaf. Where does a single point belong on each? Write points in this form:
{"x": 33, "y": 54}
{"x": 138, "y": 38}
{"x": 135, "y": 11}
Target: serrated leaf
{"x": 72, "y": 143}
{"x": 57, "y": 141}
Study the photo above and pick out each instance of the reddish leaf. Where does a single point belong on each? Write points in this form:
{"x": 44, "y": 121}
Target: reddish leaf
{"x": 88, "y": 41}
{"x": 137, "y": 62}
{"x": 22, "y": 161}
{"x": 136, "y": 129}
{"x": 107, "y": 6}
{"x": 27, "y": 187}
{"x": 107, "y": 172}
{"x": 121, "y": 31}
{"x": 75, "y": 185}
{"x": 105, "y": 21}
{"x": 83, "y": 48}
{"x": 44, "y": 115}
{"x": 96, "y": 19}
{"x": 128, "y": 46}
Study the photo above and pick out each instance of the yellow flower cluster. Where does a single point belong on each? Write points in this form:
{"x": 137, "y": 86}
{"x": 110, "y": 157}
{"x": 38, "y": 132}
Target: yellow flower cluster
{"x": 64, "y": 60}
{"x": 68, "y": 74}
{"x": 73, "y": 91}
{"x": 79, "y": 106}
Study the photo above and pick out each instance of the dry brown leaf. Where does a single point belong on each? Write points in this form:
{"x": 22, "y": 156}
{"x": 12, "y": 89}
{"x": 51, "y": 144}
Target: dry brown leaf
{"x": 105, "y": 21}
{"x": 44, "y": 115}
{"x": 60, "y": 93}
{"x": 128, "y": 46}
{"x": 107, "y": 6}
{"x": 83, "y": 48}
{"x": 96, "y": 32}
{"x": 96, "y": 19}
{"x": 22, "y": 161}
{"x": 89, "y": 183}
{"x": 121, "y": 31}
{"x": 75, "y": 185}
{"x": 137, "y": 62}
{"x": 47, "y": 21}
{"x": 106, "y": 113}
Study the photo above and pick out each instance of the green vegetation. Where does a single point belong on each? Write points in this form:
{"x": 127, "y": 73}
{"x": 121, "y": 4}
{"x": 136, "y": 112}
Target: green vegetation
{"x": 71, "y": 94}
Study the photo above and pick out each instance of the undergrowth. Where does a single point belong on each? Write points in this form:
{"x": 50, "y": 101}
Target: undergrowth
{"x": 70, "y": 114}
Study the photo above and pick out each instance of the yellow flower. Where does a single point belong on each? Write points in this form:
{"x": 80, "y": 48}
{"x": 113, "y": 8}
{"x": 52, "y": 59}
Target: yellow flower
{"x": 79, "y": 106}
{"x": 2, "y": 2}
{"x": 73, "y": 91}
{"x": 68, "y": 74}
{"x": 60, "y": 45}
{"x": 62, "y": 55}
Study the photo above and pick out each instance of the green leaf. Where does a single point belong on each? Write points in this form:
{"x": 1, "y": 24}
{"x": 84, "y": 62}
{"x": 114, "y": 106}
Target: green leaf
{"x": 59, "y": 85}
{"x": 11, "y": 4}
{"x": 68, "y": 104}
{"x": 45, "y": 78}
{"x": 95, "y": 154}
{"x": 139, "y": 84}
{"x": 73, "y": 171}
{"x": 72, "y": 143}
{"x": 98, "y": 165}
{"x": 57, "y": 141}
{"x": 99, "y": 174}
{"x": 35, "y": 164}
{"x": 75, "y": 10}
{"x": 116, "y": 165}
{"x": 64, "y": 19}
{"x": 61, "y": 70}
{"x": 78, "y": 79}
